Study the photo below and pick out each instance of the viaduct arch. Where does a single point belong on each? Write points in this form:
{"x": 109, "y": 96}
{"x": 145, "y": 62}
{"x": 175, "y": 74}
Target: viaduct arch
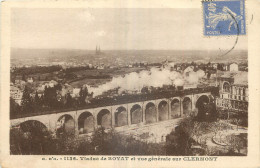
{"x": 104, "y": 118}
{"x": 201, "y": 106}
{"x": 187, "y": 106}
{"x": 175, "y": 108}
{"x": 65, "y": 124}
{"x": 163, "y": 110}
{"x": 150, "y": 113}
{"x": 33, "y": 126}
{"x": 86, "y": 123}
{"x": 121, "y": 118}
{"x": 136, "y": 114}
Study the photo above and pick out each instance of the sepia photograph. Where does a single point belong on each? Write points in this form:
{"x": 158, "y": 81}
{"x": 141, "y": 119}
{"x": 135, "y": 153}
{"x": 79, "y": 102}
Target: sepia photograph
{"x": 130, "y": 84}
{"x": 129, "y": 81}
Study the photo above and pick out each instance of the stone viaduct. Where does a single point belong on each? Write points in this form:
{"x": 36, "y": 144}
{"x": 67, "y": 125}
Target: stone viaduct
{"x": 121, "y": 117}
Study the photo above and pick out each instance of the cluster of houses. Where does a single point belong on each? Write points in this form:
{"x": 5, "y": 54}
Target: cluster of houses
{"x": 16, "y": 89}
{"x": 209, "y": 66}
{"x": 206, "y": 66}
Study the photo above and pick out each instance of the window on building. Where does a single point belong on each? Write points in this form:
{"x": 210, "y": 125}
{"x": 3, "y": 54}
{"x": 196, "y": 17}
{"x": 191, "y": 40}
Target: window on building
{"x": 244, "y": 91}
{"x": 226, "y": 87}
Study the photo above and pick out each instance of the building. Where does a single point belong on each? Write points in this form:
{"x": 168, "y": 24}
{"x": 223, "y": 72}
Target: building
{"x": 215, "y": 65}
{"x": 102, "y": 66}
{"x": 51, "y": 84}
{"x": 200, "y": 73}
{"x": 39, "y": 92}
{"x": 233, "y": 91}
{"x": 75, "y": 92}
{"x": 233, "y": 67}
{"x": 19, "y": 82}
{"x": 30, "y": 80}
{"x": 16, "y": 94}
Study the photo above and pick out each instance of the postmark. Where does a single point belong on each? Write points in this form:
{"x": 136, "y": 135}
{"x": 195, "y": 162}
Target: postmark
{"x": 224, "y": 17}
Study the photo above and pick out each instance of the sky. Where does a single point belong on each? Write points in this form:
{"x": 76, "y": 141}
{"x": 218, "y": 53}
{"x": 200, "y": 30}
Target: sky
{"x": 115, "y": 29}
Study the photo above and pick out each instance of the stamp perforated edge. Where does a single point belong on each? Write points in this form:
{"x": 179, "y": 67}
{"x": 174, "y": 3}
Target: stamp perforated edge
{"x": 221, "y": 35}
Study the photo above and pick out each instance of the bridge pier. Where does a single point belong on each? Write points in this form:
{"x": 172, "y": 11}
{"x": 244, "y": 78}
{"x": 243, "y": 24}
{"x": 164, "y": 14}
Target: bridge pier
{"x": 128, "y": 115}
{"x": 193, "y": 102}
{"x": 143, "y": 114}
{"x": 113, "y": 118}
{"x": 157, "y": 112}
{"x": 169, "y": 109}
{"x": 95, "y": 113}
{"x": 181, "y": 108}
{"x": 76, "y": 123}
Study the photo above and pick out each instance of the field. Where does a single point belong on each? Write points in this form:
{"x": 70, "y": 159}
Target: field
{"x": 91, "y": 82}
{"x": 100, "y": 76}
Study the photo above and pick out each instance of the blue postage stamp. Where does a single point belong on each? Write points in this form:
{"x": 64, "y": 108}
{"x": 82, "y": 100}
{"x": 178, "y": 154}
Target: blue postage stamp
{"x": 224, "y": 17}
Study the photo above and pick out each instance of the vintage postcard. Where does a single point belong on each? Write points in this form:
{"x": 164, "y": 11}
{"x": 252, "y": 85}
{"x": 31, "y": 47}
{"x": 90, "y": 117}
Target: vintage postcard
{"x": 130, "y": 83}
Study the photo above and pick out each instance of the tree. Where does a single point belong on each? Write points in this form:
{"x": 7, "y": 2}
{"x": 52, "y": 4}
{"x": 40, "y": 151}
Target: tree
{"x": 37, "y": 102}
{"x": 220, "y": 67}
{"x": 23, "y": 77}
{"x": 210, "y": 109}
{"x": 236, "y": 143}
{"x": 179, "y": 142}
{"x": 111, "y": 143}
{"x": 218, "y": 129}
{"x": 208, "y": 74}
{"x": 69, "y": 100}
{"x": 36, "y": 98}
{"x": 58, "y": 87}
{"x": 215, "y": 128}
{"x": 14, "y": 107}
{"x": 31, "y": 138}
{"x": 199, "y": 130}
{"x": 82, "y": 96}
{"x": 228, "y": 106}
{"x": 145, "y": 90}
{"x": 193, "y": 63}
{"x": 26, "y": 103}
{"x": 50, "y": 97}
